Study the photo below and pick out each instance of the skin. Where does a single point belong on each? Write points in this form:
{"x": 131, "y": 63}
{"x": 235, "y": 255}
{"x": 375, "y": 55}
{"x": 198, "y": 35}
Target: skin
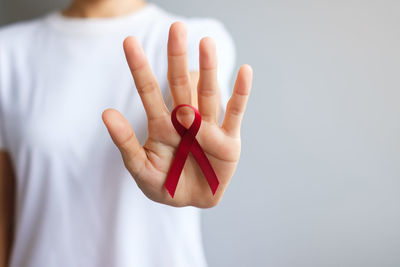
{"x": 7, "y": 189}
{"x": 149, "y": 164}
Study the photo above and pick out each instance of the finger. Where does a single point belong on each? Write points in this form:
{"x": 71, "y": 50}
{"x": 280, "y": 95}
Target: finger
{"x": 124, "y": 138}
{"x": 237, "y": 103}
{"x": 145, "y": 81}
{"x": 178, "y": 74}
{"x": 207, "y": 88}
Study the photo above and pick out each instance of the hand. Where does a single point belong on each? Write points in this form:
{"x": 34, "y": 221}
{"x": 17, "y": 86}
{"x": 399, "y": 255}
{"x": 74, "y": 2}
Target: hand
{"x": 149, "y": 165}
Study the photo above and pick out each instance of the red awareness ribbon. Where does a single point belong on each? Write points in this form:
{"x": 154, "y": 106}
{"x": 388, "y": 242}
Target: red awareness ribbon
{"x": 188, "y": 144}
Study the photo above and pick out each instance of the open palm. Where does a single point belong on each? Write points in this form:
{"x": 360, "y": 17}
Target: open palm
{"x": 149, "y": 165}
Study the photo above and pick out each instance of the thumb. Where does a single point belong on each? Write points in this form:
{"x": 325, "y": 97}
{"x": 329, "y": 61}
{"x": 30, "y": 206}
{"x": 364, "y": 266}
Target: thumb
{"x": 124, "y": 138}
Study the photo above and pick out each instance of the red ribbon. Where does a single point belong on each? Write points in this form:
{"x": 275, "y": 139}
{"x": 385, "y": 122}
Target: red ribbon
{"x": 188, "y": 144}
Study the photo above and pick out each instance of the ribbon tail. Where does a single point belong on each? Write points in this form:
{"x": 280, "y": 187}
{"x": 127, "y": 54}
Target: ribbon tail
{"x": 205, "y": 166}
{"x": 177, "y": 164}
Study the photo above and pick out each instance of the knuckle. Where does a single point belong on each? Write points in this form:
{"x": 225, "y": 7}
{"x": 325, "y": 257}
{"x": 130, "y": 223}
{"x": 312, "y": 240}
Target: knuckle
{"x": 207, "y": 91}
{"x": 235, "y": 110}
{"x": 242, "y": 91}
{"x": 147, "y": 87}
{"x": 179, "y": 81}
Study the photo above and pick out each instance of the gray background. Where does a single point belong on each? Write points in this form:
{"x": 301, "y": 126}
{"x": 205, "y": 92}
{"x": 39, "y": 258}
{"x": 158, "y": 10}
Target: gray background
{"x": 319, "y": 178}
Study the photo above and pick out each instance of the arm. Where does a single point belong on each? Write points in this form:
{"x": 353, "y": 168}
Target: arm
{"x": 7, "y": 186}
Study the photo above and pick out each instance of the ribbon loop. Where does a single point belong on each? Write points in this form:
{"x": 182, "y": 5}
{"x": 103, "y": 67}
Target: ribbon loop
{"x": 188, "y": 144}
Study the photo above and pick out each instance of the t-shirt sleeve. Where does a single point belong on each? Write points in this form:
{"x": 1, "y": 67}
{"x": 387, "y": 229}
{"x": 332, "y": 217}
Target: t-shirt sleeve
{"x": 226, "y": 53}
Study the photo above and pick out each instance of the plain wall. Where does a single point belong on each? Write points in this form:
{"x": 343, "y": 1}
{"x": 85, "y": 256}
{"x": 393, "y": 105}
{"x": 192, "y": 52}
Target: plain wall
{"x": 318, "y": 183}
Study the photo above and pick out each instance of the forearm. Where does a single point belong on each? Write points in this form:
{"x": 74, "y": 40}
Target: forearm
{"x": 5, "y": 243}
{"x": 7, "y": 189}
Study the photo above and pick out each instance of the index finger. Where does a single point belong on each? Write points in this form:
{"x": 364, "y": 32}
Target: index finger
{"x": 145, "y": 81}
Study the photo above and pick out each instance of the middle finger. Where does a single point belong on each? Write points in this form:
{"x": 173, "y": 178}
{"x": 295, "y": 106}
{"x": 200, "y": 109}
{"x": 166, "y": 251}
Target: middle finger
{"x": 178, "y": 74}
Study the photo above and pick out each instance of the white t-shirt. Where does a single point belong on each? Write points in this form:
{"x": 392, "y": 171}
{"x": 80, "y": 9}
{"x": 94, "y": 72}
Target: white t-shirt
{"x": 76, "y": 204}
